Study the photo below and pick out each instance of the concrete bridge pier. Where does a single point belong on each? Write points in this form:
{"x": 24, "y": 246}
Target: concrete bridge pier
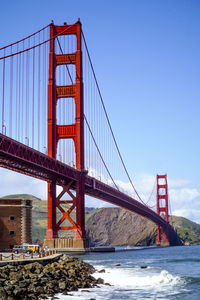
{"x": 67, "y": 244}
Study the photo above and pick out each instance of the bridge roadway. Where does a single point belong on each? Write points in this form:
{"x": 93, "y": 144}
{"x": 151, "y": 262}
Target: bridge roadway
{"x": 23, "y": 159}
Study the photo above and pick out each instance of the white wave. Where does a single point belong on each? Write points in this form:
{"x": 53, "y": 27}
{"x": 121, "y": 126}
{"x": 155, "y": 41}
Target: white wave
{"x": 130, "y": 283}
{"x": 163, "y": 278}
{"x": 137, "y": 278}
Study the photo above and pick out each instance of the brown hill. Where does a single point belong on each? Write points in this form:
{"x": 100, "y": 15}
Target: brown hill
{"x": 119, "y": 227}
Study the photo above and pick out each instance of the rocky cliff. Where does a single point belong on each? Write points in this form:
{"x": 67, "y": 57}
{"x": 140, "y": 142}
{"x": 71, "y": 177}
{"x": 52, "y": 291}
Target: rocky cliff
{"x": 118, "y": 227}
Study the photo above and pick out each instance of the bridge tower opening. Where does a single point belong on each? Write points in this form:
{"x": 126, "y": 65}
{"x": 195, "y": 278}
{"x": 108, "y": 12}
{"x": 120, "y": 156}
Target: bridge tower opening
{"x": 71, "y": 131}
{"x": 162, "y": 209}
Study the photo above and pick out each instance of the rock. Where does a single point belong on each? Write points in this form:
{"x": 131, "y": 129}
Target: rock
{"x": 66, "y": 293}
{"x": 23, "y": 283}
{"x": 43, "y": 296}
{"x": 35, "y": 281}
{"x": 102, "y": 271}
{"x": 100, "y": 281}
{"x": 62, "y": 285}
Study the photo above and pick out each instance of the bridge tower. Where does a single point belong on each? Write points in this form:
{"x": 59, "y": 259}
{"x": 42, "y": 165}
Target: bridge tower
{"x": 73, "y": 131}
{"x": 162, "y": 208}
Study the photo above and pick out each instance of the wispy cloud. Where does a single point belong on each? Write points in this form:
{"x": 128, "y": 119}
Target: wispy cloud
{"x": 16, "y": 183}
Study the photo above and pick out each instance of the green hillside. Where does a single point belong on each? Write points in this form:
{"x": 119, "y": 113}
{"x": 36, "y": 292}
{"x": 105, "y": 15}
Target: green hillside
{"x": 188, "y": 231}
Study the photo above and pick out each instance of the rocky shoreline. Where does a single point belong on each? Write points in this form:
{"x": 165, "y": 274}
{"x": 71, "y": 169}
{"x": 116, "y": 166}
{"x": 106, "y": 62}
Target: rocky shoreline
{"x": 36, "y": 281}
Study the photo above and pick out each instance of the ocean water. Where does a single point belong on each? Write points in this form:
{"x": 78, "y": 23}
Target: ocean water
{"x": 153, "y": 273}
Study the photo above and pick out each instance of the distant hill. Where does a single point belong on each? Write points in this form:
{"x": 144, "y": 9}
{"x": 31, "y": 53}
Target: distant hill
{"x": 118, "y": 227}
{"x": 113, "y": 226}
{"x": 188, "y": 231}
{"x": 22, "y": 196}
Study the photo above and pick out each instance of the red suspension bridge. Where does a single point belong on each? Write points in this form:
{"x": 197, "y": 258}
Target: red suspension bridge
{"x": 63, "y": 134}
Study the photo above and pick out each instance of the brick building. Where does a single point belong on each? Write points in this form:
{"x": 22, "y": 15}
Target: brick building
{"x": 15, "y": 222}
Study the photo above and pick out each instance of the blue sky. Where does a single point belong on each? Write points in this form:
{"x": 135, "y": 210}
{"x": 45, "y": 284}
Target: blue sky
{"x": 146, "y": 55}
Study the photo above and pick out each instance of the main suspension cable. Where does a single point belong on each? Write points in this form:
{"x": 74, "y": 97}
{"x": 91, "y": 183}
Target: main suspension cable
{"x": 101, "y": 98}
{"x": 100, "y": 153}
{"x": 65, "y": 64}
{"x": 112, "y": 133}
{"x": 37, "y": 45}
{"x": 24, "y": 38}
{"x": 152, "y": 193}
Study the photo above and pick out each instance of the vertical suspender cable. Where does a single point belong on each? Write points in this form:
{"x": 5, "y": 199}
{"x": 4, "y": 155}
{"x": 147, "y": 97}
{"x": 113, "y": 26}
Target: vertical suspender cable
{"x": 23, "y": 106}
{"x": 26, "y": 115}
{"x": 110, "y": 127}
{"x": 88, "y": 94}
{"x": 11, "y": 94}
{"x": 33, "y": 95}
{"x": 19, "y": 99}
{"x": 3, "y": 95}
{"x": 39, "y": 116}
{"x": 16, "y": 92}
{"x": 44, "y": 117}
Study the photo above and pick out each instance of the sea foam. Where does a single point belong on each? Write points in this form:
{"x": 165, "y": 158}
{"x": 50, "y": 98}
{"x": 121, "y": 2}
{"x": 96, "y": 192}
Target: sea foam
{"x": 131, "y": 283}
{"x": 136, "y": 278}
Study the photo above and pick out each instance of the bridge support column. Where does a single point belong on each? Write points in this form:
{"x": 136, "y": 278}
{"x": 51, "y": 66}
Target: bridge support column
{"x": 80, "y": 208}
{"x": 69, "y": 221}
{"x": 75, "y": 131}
{"x": 51, "y": 229}
{"x": 162, "y": 209}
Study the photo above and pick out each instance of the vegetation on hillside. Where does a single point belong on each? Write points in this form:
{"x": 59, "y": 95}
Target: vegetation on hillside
{"x": 188, "y": 231}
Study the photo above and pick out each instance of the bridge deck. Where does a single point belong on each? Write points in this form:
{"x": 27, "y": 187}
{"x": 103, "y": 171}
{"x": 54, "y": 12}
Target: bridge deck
{"x": 21, "y": 158}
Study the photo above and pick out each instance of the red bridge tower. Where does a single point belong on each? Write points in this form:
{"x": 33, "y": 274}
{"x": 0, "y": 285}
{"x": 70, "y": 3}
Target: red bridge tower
{"x": 73, "y": 131}
{"x": 162, "y": 208}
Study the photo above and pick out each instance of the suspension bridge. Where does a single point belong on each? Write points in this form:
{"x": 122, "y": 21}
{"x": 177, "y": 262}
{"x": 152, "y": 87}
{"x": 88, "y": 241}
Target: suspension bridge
{"x": 54, "y": 126}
